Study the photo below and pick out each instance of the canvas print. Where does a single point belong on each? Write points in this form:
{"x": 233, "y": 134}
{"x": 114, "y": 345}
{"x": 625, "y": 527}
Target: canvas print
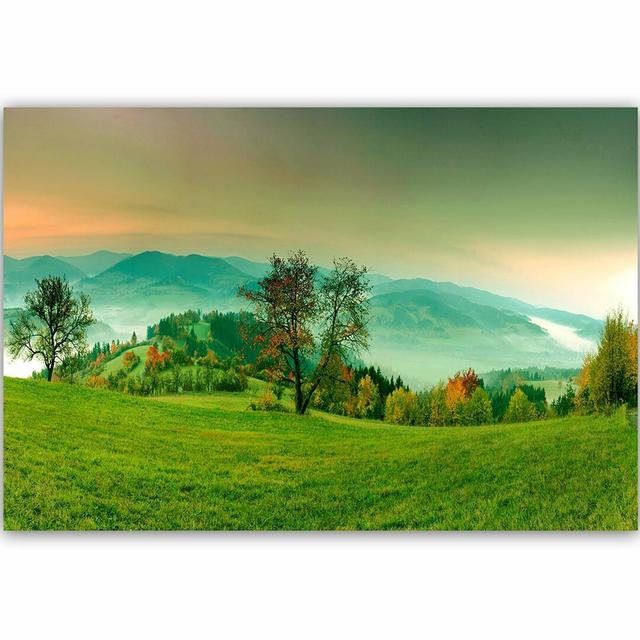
{"x": 320, "y": 319}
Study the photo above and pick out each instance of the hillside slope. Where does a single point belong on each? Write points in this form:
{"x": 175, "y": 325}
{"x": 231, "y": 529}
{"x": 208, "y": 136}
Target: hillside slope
{"x": 20, "y": 275}
{"x": 427, "y": 335}
{"x": 441, "y": 314}
{"x": 77, "y": 458}
{"x": 587, "y": 327}
{"x": 140, "y": 289}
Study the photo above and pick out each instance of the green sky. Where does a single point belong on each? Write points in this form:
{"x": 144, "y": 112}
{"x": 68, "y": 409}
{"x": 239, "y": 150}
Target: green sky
{"x": 538, "y": 203}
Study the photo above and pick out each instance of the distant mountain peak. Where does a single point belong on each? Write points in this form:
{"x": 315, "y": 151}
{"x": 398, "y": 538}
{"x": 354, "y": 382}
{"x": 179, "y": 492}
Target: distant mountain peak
{"x": 193, "y": 268}
{"x": 93, "y": 263}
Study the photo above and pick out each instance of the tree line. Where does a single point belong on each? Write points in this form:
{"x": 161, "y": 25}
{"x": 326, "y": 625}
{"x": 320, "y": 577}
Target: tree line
{"x": 516, "y": 376}
{"x": 461, "y": 400}
{"x": 302, "y": 333}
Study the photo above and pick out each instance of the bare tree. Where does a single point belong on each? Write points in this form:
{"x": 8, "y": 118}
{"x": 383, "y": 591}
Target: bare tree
{"x": 53, "y": 324}
{"x": 304, "y": 318}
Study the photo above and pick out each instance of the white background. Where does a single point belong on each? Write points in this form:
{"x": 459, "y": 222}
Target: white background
{"x": 497, "y": 585}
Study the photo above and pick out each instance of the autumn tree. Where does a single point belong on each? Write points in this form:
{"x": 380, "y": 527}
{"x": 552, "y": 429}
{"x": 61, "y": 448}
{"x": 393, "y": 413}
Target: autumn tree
{"x": 334, "y": 394}
{"x": 130, "y": 360}
{"x": 367, "y": 403}
{"x": 520, "y": 408}
{"x": 462, "y": 386}
{"x": 613, "y": 371}
{"x": 96, "y": 382}
{"x": 470, "y": 382}
{"x": 52, "y": 325}
{"x": 156, "y": 360}
{"x": 167, "y": 344}
{"x": 401, "y": 407}
{"x": 210, "y": 360}
{"x": 439, "y": 407}
{"x": 478, "y": 409}
{"x": 153, "y": 358}
{"x": 306, "y": 320}
{"x": 581, "y": 401}
{"x": 458, "y": 391}
{"x": 455, "y": 392}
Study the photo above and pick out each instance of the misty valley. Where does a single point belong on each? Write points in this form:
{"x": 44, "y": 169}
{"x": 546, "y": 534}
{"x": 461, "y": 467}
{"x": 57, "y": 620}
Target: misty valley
{"x": 420, "y": 329}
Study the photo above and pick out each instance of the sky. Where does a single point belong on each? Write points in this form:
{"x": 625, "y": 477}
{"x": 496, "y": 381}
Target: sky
{"x": 540, "y": 204}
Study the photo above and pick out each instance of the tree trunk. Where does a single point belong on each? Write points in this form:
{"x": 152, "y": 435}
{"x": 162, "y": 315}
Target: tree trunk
{"x": 307, "y": 400}
{"x": 297, "y": 372}
{"x": 49, "y": 373}
{"x": 299, "y": 403}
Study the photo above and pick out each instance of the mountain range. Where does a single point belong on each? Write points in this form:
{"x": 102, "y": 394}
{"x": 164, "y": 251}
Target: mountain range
{"x": 420, "y": 328}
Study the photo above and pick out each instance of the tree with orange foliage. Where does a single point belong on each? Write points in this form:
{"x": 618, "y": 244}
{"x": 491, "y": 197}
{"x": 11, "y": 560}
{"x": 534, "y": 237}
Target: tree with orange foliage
{"x": 581, "y": 400}
{"x": 459, "y": 390}
{"x": 210, "y": 360}
{"x": 130, "y": 360}
{"x": 305, "y": 319}
{"x": 470, "y": 382}
{"x": 96, "y": 382}
{"x": 153, "y": 357}
{"x": 156, "y": 360}
{"x": 455, "y": 391}
{"x": 461, "y": 387}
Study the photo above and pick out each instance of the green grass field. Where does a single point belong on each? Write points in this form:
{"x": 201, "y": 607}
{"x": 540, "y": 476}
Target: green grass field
{"x": 553, "y": 389}
{"x": 77, "y": 458}
{"x": 114, "y": 365}
{"x": 201, "y": 330}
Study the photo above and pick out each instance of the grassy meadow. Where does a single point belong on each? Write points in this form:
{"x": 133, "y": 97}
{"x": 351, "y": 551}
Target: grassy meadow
{"x": 553, "y": 388}
{"x": 117, "y": 363}
{"x": 78, "y": 458}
